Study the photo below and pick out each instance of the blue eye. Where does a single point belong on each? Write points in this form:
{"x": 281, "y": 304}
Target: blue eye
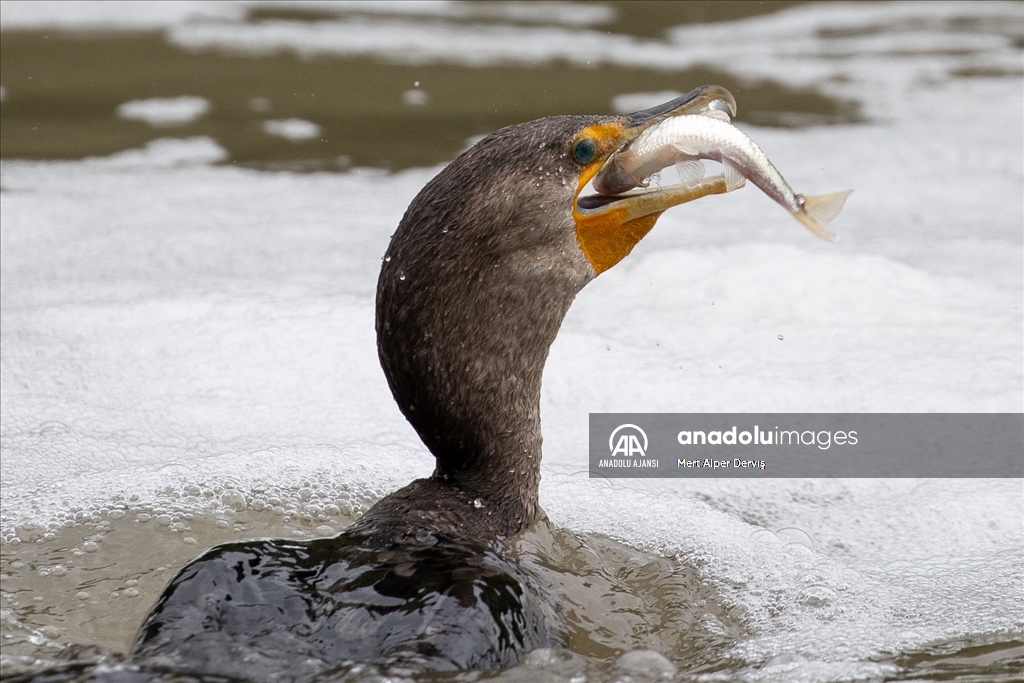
{"x": 584, "y": 150}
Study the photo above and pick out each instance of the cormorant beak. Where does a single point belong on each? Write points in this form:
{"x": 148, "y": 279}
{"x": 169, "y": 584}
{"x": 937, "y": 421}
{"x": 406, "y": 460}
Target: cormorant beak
{"x": 697, "y": 101}
{"x": 609, "y": 226}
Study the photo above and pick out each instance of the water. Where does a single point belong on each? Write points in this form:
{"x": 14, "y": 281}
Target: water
{"x": 187, "y": 327}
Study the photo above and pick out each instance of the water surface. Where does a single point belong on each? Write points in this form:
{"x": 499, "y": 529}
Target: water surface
{"x": 187, "y": 323}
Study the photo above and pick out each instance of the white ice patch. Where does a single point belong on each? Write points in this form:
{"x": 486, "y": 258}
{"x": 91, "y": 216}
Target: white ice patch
{"x": 295, "y": 130}
{"x": 165, "y": 111}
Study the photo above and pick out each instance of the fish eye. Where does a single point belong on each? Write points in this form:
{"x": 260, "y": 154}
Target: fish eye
{"x": 584, "y": 150}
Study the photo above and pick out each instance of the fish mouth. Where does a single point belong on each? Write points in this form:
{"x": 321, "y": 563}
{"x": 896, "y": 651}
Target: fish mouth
{"x": 638, "y": 201}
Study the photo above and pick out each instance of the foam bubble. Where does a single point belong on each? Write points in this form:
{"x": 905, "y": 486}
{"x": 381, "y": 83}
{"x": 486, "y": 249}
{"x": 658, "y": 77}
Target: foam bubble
{"x": 292, "y": 129}
{"x": 165, "y": 111}
{"x": 168, "y": 152}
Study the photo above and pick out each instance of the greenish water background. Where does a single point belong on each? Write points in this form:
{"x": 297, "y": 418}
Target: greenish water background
{"x": 63, "y": 89}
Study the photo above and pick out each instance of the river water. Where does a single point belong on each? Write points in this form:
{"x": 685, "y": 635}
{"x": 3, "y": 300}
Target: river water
{"x": 195, "y": 198}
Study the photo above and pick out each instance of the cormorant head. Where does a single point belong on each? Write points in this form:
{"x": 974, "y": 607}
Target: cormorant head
{"x": 483, "y": 268}
{"x": 527, "y": 186}
{"x": 525, "y": 189}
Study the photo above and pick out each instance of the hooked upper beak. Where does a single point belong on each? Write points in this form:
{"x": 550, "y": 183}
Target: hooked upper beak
{"x": 697, "y": 101}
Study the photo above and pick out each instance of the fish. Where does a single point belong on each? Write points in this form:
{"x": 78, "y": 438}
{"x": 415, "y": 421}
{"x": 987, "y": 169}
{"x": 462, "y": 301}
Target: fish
{"x": 685, "y": 140}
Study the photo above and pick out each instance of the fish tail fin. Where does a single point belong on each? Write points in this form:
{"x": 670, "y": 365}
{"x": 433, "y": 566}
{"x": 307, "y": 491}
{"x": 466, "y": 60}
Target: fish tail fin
{"x": 818, "y": 211}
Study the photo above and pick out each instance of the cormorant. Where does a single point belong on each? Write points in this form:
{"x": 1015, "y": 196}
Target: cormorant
{"x": 474, "y": 286}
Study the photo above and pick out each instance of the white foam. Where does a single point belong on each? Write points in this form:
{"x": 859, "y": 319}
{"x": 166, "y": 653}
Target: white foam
{"x": 292, "y": 129}
{"x": 97, "y": 14}
{"x": 199, "y": 150}
{"x": 156, "y": 14}
{"x": 171, "y": 325}
{"x": 763, "y": 47}
{"x": 895, "y": 564}
{"x": 130, "y": 263}
{"x": 165, "y": 111}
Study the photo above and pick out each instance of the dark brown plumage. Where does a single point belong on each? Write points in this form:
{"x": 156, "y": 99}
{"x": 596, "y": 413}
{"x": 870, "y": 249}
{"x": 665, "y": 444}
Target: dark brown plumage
{"x": 473, "y": 288}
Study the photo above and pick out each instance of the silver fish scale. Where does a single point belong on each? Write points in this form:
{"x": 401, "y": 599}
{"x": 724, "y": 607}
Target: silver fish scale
{"x": 720, "y": 141}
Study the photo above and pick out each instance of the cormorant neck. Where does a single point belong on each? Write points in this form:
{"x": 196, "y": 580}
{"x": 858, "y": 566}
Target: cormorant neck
{"x": 466, "y": 312}
{"x": 464, "y": 354}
